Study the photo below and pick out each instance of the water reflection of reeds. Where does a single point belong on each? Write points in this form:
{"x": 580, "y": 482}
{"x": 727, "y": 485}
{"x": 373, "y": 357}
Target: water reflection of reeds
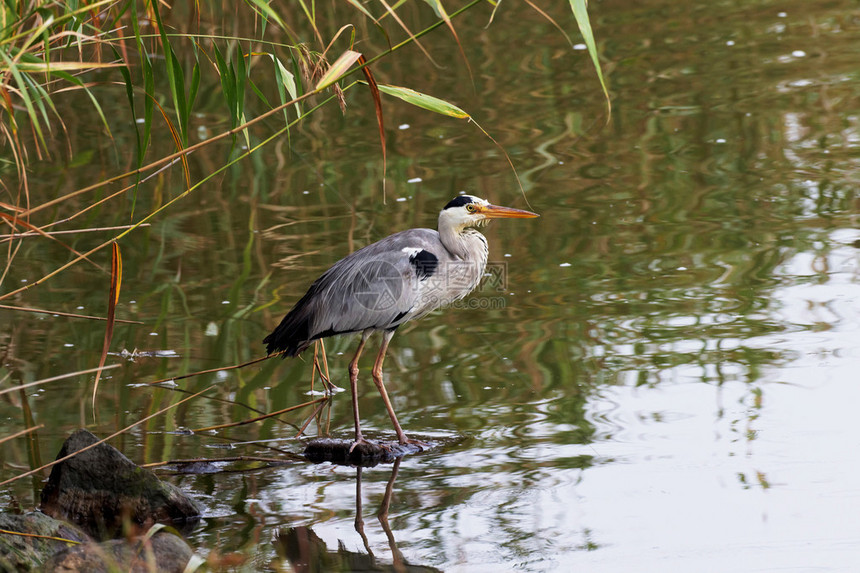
{"x": 707, "y": 232}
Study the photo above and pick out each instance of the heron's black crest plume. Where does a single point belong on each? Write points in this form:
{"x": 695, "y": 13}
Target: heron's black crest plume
{"x": 460, "y": 201}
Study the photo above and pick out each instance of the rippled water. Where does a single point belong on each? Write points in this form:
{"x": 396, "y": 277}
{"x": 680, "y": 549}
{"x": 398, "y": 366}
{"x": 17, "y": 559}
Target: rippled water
{"x": 668, "y": 381}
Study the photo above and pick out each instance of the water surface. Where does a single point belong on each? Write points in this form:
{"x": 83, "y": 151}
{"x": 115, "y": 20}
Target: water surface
{"x": 667, "y": 380}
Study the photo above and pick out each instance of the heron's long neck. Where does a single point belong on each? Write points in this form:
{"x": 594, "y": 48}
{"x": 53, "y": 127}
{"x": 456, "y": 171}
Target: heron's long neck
{"x": 466, "y": 244}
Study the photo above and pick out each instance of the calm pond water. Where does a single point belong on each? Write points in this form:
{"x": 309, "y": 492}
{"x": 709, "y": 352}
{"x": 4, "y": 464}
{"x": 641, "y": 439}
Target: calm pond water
{"x": 665, "y": 379}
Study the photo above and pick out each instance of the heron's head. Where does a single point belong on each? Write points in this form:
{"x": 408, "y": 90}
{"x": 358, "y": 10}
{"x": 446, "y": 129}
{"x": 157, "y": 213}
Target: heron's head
{"x": 470, "y": 211}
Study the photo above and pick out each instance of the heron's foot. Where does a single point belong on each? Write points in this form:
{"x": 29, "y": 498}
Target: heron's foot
{"x": 370, "y": 445}
{"x": 358, "y": 440}
{"x": 417, "y": 443}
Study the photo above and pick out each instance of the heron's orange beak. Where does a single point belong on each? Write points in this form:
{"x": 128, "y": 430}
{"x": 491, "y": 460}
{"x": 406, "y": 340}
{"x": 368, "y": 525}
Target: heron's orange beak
{"x": 498, "y": 212}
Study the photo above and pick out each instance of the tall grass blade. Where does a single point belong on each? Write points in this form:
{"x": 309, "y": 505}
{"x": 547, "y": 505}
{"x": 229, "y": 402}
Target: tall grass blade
{"x": 103, "y": 440}
{"x": 129, "y": 94}
{"x": 194, "y": 563}
{"x": 15, "y": 221}
{"x": 176, "y": 76}
{"x": 377, "y": 103}
{"x": 493, "y": 13}
{"x": 177, "y": 139}
{"x": 22, "y": 432}
{"x": 195, "y": 84}
{"x": 161, "y": 162}
{"x": 148, "y": 89}
{"x": 148, "y": 103}
{"x": 12, "y": 68}
{"x": 412, "y": 37}
{"x": 56, "y": 378}
{"x": 337, "y": 34}
{"x": 242, "y": 76}
{"x": 60, "y": 313}
{"x": 310, "y": 14}
{"x": 7, "y": 101}
{"x": 116, "y": 276}
{"x": 34, "y": 65}
{"x": 286, "y": 84}
{"x": 77, "y": 82}
{"x": 259, "y": 93}
{"x": 268, "y": 13}
{"x": 357, "y": 5}
{"x": 113, "y": 299}
{"x": 175, "y": 79}
{"x": 440, "y": 11}
{"x": 550, "y": 19}
{"x": 228, "y": 84}
{"x": 33, "y": 450}
{"x": 507, "y": 157}
{"x": 40, "y": 99}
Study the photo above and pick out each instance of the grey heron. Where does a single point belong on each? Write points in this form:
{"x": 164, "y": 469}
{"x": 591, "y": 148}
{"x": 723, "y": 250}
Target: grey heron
{"x": 383, "y": 285}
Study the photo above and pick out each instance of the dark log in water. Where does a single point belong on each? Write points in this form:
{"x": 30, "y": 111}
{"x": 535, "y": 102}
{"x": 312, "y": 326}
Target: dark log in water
{"x": 365, "y": 454}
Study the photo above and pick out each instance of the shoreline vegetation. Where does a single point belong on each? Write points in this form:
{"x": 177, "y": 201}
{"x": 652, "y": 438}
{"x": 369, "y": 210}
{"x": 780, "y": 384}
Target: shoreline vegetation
{"x": 151, "y": 70}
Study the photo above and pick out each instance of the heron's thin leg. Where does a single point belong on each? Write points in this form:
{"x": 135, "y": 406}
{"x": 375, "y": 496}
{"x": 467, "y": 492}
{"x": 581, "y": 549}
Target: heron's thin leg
{"x": 377, "y": 379}
{"x": 353, "y": 385}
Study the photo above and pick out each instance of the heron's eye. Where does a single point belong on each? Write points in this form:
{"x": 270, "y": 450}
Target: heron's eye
{"x": 470, "y": 207}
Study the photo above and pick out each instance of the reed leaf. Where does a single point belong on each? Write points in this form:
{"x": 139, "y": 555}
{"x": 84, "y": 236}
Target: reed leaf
{"x": 424, "y": 101}
{"x": 242, "y": 76}
{"x": 285, "y": 84}
{"x": 338, "y": 69}
{"x": 175, "y": 79}
{"x": 148, "y": 89}
{"x": 48, "y": 67}
{"x": 228, "y": 84}
{"x": 265, "y": 10}
{"x": 580, "y": 13}
{"x": 24, "y": 94}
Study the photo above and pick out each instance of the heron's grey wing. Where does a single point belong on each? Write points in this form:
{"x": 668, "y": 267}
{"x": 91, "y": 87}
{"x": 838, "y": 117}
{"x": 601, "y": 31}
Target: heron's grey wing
{"x": 380, "y": 286}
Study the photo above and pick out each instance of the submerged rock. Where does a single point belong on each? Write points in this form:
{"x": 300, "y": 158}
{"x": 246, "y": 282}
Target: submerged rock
{"x": 163, "y": 552}
{"x": 25, "y": 552}
{"x": 100, "y": 489}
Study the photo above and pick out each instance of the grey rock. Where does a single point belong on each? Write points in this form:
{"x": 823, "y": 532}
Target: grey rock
{"x": 163, "y": 552}
{"x": 101, "y": 490}
{"x": 26, "y": 552}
